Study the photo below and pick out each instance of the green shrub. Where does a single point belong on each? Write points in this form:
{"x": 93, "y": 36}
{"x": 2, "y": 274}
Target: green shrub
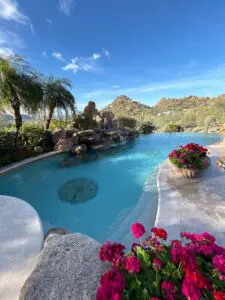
{"x": 124, "y": 122}
{"x": 83, "y": 122}
{"x": 170, "y": 127}
{"x": 146, "y": 127}
{"x": 32, "y": 134}
{"x": 58, "y": 124}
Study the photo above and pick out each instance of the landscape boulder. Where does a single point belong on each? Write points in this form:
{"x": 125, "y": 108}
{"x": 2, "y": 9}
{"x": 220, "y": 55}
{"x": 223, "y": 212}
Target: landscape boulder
{"x": 58, "y": 134}
{"x": 85, "y": 133}
{"x": 70, "y": 132}
{"x": 38, "y": 149}
{"x": 75, "y": 139}
{"x": 68, "y": 268}
{"x": 79, "y": 149}
{"x": 64, "y": 145}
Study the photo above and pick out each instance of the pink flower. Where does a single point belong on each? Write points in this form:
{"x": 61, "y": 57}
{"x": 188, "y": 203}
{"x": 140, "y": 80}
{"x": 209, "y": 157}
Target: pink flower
{"x": 190, "y": 290}
{"x": 169, "y": 290}
{"x": 154, "y": 298}
{"x": 133, "y": 265}
{"x": 138, "y": 230}
{"x": 219, "y": 262}
{"x": 222, "y": 277}
{"x": 159, "y": 232}
{"x": 157, "y": 264}
{"x": 209, "y": 237}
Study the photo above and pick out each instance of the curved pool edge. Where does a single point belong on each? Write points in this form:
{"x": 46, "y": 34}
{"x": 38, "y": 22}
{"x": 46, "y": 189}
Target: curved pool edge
{"x": 27, "y": 161}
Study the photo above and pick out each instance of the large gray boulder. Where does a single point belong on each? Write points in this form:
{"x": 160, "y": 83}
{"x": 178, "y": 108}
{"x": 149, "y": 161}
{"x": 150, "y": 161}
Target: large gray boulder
{"x": 68, "y": 268}
{"x": 64, "y": 145}
{"x": 58, "y": 134}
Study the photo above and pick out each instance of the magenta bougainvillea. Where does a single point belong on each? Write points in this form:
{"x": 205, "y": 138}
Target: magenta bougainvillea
{"x": 192, "y": 268}
{"x": 191, "y": 156}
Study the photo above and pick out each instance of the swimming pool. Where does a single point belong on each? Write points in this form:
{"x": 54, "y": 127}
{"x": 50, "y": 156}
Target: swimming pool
{"x": 109, "y": 183}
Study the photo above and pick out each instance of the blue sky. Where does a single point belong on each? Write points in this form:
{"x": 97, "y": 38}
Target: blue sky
{"x": 145, "y": 49}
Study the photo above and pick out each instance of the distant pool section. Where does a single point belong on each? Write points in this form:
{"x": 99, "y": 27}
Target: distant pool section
{"x": 121, "y": 190}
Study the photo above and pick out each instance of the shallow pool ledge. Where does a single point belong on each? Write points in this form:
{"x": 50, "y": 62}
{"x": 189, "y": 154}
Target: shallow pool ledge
{"x": 193, "y": 205}
{"x": 26, "y": 161}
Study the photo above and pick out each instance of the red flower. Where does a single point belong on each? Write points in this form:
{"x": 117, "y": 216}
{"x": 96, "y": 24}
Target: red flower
{"x": 110, "y": 252}
{"x": 160, "y": 233}
{"x": 157, "y": 264}
{"x": 190, "y": 290}
{"x": 218, "y": 295}
{"x": 133, "y": 265}
{"x": 182, "y": 161}
{"x": 138, "y": 230}
{"x": 113, "y": 278}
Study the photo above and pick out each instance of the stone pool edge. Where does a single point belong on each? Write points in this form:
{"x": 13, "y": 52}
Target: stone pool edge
{"x": 26, "y": 161}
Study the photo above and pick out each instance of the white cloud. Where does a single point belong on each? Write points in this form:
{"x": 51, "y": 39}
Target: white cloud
{"x": 9, "y": 11}
{"x": 213, "y": 79}
{"x": 86, "y": 64}
{"x": 49, "y": 21}
{"x": 96, "y": 56}
{"x": 32, "y": 28}
{"x": 44, "y": 54}
{"x": 5, "y": 52}
{"x": 58, "y": 55}
{"x": 10, "y": 39}
{"x": 66, "y": 6}
{"x": 106, "y": 53}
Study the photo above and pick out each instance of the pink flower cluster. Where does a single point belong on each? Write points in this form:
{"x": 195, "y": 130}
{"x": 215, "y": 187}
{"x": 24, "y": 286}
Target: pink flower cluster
{"x": 192, "y": 268}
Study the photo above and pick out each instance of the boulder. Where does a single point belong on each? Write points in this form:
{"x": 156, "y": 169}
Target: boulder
{"x": 38, "y": 149}
{"x": 70, "y": 132}
{"x": 64, "y": 145}
{"x": 75, "y": 139}
{"x": 58, "y": 134}
{"x": 68, "y": 268}
{"x": 91, "y": 139}
{"x": 79, "y": 149}
{"x": 85, "y": 132}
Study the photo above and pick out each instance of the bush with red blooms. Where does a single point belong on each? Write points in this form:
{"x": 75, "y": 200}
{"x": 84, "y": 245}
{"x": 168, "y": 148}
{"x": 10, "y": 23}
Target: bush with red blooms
{"x": 192, "y": 268}
{"x": 191, "y": 156}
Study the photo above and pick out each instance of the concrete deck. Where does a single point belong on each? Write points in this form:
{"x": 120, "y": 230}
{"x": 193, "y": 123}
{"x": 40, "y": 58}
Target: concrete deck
{"x": 21, "y": 238}
{"x": 196, "y": 204}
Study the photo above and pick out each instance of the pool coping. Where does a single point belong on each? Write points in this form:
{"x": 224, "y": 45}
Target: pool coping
{"x": 26, "y": 161}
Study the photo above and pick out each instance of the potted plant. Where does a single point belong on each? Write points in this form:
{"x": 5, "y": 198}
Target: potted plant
{"x": 192, "y": 268}
{"x": 189, "y": 160}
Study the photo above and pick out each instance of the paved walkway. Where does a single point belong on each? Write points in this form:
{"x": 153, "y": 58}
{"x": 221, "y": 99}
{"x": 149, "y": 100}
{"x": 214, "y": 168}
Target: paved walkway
{"x": 196, "y": 204}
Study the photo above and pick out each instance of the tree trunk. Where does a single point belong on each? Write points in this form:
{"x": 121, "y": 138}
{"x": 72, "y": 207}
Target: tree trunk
{"x": 17, "y": 119}
{"x": 48, "y": 119}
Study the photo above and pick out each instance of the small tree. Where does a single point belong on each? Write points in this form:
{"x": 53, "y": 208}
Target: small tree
{"x": 19, "y": 88}
{"x": 56, "y": 95}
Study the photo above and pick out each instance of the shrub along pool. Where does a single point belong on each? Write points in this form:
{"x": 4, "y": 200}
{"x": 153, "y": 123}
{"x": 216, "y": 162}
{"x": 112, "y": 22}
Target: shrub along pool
{"x": 99, "y": 194}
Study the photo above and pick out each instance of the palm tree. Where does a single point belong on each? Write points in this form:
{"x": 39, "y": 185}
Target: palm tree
{"x": 19, "y": 88}
{"x": 57, "y": 96}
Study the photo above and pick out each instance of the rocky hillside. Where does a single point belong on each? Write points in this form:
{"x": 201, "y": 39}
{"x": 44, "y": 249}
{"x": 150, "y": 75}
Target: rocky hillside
{"x": 124, "y": 106}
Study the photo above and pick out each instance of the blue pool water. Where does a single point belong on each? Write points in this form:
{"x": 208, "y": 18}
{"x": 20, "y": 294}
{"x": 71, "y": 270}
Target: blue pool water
{"x": 120, "y": 174}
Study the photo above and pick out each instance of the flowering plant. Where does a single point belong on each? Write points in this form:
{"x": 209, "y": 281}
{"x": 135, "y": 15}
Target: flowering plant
{"x": 192, "y": 268}
{"x": 191, "y": 156}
